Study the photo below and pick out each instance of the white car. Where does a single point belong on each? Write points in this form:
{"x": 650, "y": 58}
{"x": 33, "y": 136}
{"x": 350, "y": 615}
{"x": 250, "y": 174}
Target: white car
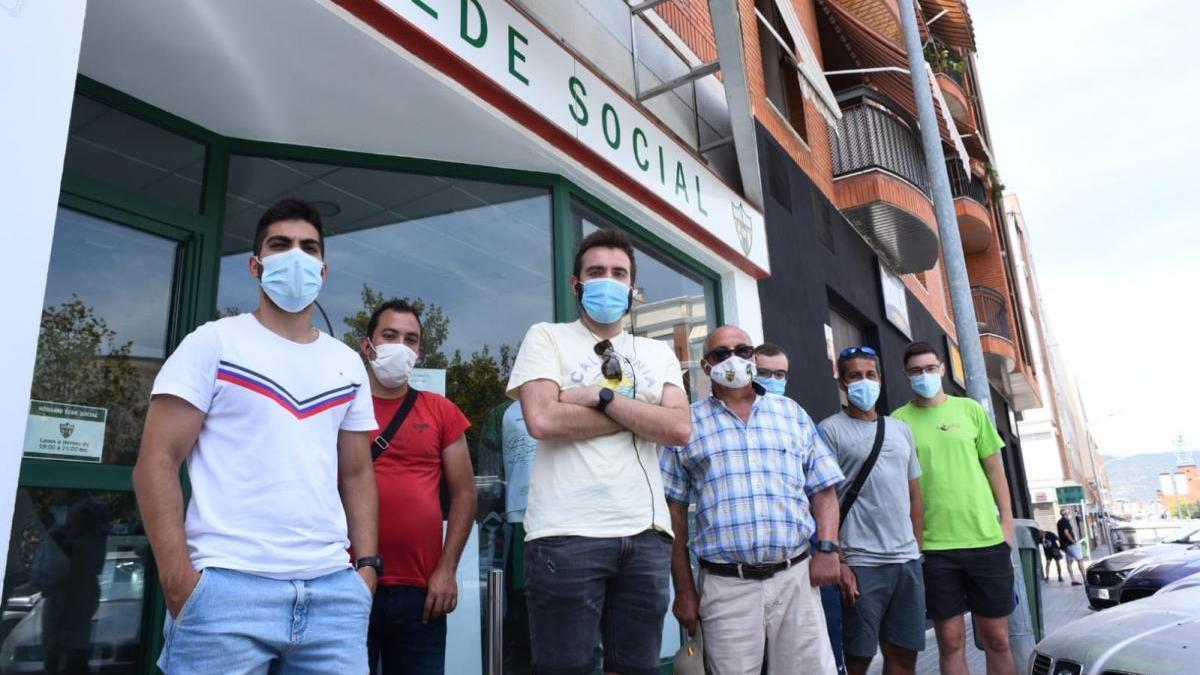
{"x": 1156, "y": 636}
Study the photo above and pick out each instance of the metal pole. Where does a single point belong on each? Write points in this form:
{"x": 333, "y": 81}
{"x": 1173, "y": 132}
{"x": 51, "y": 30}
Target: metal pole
{"x": 1020, "y": 622}
{"x": 495, "y": 622}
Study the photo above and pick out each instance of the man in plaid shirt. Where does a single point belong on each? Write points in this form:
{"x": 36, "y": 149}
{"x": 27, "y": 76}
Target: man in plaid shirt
{"x": 762, "y": 479}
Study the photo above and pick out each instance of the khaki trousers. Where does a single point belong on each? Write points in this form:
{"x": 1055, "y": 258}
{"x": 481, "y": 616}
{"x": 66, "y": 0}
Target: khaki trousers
{"x": 780, "y": 617}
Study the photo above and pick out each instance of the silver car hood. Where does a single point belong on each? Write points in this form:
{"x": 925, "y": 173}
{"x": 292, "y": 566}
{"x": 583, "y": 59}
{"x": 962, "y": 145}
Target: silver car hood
{"x": 1155, "y": 635}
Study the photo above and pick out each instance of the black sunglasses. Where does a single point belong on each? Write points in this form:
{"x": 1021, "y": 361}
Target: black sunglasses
{"x": 721, "y": 353}
{"x": 610, "y": 364}
{"x": 851, "y": 351}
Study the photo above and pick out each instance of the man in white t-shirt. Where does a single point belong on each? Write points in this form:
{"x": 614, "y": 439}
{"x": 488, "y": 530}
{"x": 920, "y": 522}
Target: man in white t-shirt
{"x": 598, "y": 532}
{"x": 275, "y": 421}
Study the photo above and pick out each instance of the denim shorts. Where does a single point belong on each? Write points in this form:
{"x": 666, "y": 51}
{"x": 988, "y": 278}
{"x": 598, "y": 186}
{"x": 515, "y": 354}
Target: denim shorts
{"x": 235, "y": 622}
{"x": 890, "y": 609}
{"x": 579, "y": 588}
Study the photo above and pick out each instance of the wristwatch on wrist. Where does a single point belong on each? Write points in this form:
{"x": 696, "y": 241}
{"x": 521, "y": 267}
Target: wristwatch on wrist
{"x": 606, "y": 397}
{"x": 370, "y": 561}
{"x": 826, "y": 546}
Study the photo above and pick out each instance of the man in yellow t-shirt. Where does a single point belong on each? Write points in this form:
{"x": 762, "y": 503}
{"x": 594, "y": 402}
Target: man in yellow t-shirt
{"x": 968, "y": 516}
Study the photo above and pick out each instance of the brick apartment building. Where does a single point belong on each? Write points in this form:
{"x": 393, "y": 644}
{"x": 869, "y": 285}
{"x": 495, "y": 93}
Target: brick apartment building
{"x": 459, "y": 149}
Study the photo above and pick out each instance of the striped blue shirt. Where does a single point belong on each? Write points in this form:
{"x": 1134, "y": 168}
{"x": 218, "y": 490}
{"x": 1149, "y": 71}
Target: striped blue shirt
{"x": 750, "y": 480}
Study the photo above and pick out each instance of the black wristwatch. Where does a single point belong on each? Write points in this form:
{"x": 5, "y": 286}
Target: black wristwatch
{"x": 606, "y": 397}
{"x": 826, "y": 546}
{"x": 370, "y": 561}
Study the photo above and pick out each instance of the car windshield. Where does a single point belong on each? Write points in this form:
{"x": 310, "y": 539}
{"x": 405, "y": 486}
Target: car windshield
{"x": 1186, "y": 536}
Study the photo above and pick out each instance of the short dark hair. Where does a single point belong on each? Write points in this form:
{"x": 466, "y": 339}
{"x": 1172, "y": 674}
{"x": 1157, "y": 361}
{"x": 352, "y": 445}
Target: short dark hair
{"x": 769, "y": 349}
{"x": 843, "y": 360}
{"x": 608, "y": 238}
{"x": 289, "y": 208}
{"x": 919, "y": 348}
{"x": 393, "y": 305}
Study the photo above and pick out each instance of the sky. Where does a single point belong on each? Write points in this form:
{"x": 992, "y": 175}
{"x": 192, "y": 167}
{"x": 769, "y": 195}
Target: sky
{"x": 1092, "y": 106}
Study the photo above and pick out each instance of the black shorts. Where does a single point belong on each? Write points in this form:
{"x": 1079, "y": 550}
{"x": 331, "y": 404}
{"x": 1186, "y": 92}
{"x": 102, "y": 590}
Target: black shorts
{"x": 976, "y": 579}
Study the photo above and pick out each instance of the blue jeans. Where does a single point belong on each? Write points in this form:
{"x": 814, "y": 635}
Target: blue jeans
{"x": 397, "y": 636}
{"x": 581, "y": 587}
{"x": 235, "y": 622}
{"x": 831, "y": 601}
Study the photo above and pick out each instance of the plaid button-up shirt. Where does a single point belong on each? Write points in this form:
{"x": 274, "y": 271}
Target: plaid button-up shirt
{"x": 750, "y": 480}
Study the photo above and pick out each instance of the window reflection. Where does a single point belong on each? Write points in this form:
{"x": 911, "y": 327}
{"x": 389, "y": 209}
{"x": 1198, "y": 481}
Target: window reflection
{"x": 474, "y": 257}
{"x": 113, "y": 147}
{"x": 75, "y": 585}
{"x": 104, "y": 328}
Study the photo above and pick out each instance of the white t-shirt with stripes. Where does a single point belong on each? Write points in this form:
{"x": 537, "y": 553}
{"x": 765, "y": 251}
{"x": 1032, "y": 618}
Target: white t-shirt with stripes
{"x": 264, "y": 469}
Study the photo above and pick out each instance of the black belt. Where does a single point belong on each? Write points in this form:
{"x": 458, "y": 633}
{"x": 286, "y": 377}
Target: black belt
{"x": 743, "y": 571}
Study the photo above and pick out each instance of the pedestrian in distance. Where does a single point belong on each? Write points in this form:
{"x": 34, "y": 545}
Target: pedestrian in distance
{"x": 275, "y": 423}
{"x": 599, "y": 400}
{"x": 882, "y": 524}
{"x": 762, "y": 480}
{"x": 968, "y": 536}
{"x": 421, "y": 449}
{"x": 1070, "y": 544}
{"x": 1053, "y": 553}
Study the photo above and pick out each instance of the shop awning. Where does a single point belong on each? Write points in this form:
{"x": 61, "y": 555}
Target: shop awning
{"x": 871, "y": 50}
{"x": 811, "y": 74}
{"x": 954, "y": 26}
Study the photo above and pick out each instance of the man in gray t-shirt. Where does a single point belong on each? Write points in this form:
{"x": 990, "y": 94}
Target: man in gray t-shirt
{"x": 883, "y": 590}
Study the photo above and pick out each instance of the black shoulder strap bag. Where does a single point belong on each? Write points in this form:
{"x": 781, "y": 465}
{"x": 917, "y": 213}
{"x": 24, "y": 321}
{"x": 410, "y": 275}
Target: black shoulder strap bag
{"x": 384, "y": 441}
{"x": 859, "y": 480}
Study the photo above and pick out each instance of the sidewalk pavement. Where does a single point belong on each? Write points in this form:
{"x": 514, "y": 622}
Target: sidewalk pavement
{"x": 1062, "y": 604}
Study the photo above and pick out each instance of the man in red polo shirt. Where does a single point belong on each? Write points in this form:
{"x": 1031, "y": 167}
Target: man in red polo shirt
{"x": 417, "y": 588}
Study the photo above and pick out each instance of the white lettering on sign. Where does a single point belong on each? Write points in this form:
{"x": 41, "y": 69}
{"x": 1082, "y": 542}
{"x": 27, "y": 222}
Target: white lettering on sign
{"x": 512, "y": 51}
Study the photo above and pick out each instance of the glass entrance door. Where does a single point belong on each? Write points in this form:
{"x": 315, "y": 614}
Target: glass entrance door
{"x": 79, "y": 593}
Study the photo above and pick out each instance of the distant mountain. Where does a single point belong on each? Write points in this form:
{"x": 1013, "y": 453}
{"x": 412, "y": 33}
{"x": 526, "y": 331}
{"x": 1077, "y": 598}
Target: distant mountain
{"x": 1136, "y": 476}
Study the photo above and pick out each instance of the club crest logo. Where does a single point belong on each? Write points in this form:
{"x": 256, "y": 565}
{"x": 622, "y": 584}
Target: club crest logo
{"x": 66, "y": 429}
{"x": 745, "y": 229}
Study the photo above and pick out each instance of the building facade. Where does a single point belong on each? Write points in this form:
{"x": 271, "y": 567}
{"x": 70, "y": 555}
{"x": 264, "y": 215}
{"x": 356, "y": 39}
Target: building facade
{"x": 762, "y": 153}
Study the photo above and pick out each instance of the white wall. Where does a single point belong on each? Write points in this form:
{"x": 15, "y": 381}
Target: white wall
{"x": 39, "y": 56}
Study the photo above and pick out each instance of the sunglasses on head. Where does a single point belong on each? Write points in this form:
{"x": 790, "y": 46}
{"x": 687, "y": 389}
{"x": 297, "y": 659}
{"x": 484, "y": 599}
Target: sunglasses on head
{"x": 610, "y": 363}
{"x": 851, "y": 351}
{"x": 721, "y": 353}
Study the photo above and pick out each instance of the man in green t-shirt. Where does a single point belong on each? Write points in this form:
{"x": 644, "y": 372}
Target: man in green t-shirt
{"x": 968, "y": 516}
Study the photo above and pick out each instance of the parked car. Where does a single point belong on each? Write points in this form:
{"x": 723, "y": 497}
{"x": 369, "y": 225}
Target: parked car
{"x": 1156, "y": 636}
{"x": 1186, "y": 582}
{"x": 1149, "y": 577}
{"x": 1105, "y": 578}
{"x": 115, "y": 626}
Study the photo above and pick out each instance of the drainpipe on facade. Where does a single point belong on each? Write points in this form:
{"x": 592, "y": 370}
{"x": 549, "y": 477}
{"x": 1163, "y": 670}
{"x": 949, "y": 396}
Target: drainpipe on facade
{"x": 1020, "y": 622}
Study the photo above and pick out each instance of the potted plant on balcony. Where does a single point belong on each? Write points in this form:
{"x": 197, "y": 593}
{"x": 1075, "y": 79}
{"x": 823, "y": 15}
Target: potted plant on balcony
{"x": 943, "y": 60}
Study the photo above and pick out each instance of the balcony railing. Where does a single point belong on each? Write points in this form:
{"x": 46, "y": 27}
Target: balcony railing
{"x": 991, "y": 312}
{"x": 964, "y": 184}
{"x": 872, "y": 138}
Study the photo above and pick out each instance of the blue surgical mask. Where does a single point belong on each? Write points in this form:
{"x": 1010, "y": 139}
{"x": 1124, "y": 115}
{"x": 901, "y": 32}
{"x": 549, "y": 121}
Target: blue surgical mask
{"x": 291, "y": 279}
{"x": 773, "y": 385}
{"x": 605, "y": 300}
{"x": 863, "y": 394}
{"x": 926, "y": 385}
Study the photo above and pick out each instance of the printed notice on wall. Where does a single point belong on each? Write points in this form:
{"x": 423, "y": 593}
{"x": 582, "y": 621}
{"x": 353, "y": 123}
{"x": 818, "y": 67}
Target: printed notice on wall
{"x": 64, "y": 431}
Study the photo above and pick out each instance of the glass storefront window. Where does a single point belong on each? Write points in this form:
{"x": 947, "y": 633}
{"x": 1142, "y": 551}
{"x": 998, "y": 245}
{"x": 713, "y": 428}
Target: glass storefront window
{"x": 104, "y": 331}
{"x": 127, "y": 153}
{"x": 75, "y": 585}
{"x": 475, "y": 256}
